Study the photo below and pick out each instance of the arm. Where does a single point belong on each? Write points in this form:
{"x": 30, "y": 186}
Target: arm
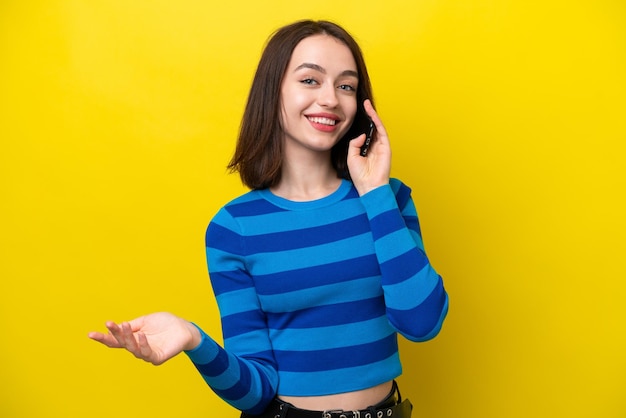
{"x": 416, "y": 300}
{"x": 243, "y": 373}
{"x": 245, "y": 383}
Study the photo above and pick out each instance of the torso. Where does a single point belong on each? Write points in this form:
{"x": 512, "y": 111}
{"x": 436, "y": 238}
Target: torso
{"x": 350, "y": 401}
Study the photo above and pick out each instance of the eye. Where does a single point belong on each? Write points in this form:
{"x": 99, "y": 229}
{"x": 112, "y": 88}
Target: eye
{"x": 347, "y": 87}
{"x": 308, "y": 81}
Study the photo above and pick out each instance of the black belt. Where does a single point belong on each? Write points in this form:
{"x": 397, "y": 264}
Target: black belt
{"x": 392, "y": 406}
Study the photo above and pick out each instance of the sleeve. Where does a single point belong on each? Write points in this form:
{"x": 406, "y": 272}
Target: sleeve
{"x": 415, "y": 298}
{"x": 243, "y": 373}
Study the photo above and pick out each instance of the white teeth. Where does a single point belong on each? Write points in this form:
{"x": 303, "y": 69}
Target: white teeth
{"x": 323, "y": 121}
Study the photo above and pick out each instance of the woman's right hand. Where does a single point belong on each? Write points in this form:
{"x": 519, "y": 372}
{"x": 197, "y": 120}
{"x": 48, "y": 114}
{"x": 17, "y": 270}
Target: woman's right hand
{"x": 154, "y": 338}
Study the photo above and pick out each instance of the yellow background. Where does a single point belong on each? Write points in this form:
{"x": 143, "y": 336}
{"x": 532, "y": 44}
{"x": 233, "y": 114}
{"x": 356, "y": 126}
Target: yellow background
{"x": 117, "y": 119}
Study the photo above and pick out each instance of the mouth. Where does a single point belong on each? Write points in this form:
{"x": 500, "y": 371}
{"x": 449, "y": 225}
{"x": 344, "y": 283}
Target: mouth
{"x": 321, "y": 120}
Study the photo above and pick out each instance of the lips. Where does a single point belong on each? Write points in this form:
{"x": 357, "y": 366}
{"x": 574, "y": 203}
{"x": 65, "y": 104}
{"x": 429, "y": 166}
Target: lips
{"x": 323, "y": 120}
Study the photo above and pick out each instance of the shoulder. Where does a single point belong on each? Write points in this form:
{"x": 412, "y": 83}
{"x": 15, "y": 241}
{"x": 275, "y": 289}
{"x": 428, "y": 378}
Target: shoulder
{"x": 243, "y": 204}
{"x": 249, "y": 196}
{"x": 248, "y": 208}
{"x": 231, "y": 210}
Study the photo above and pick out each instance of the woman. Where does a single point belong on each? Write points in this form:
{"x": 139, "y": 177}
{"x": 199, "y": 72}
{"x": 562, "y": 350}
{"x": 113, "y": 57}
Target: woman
{"x": 319, "y": 267}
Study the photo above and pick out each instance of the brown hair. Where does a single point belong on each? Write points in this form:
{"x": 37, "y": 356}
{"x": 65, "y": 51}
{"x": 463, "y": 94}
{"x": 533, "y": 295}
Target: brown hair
{"x": 259, "y": 152}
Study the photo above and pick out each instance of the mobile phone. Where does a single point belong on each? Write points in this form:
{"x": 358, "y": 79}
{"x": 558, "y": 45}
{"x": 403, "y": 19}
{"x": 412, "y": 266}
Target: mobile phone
{"x": 368, "y": 139}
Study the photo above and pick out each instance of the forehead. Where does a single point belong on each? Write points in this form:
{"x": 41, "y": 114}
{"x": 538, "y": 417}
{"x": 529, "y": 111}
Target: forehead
{"x": 324, "y": 50}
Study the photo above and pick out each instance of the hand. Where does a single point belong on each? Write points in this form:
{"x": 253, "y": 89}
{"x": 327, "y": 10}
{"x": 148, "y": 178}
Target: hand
{"x": 372, "y": 171}
{"x": 154, "y": 338}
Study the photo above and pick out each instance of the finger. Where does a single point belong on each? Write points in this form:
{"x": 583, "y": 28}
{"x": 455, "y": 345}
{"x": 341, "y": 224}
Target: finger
{"x": 371, "y": 112}
{"x": 358, "y": 147}
{"x": 356, "y": 144}
{"x": 129, "y": 338}
{"x": 106, "y": 339}
{"x": 116, "y": 332}
{"x": 144, "y": 347}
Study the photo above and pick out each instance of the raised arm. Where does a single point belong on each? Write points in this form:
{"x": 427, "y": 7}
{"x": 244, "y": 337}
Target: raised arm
{"x": 416, "y": 300}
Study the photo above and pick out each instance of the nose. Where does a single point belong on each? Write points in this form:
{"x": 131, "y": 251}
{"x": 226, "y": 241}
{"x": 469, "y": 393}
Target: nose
{"x": 328, "y": 96}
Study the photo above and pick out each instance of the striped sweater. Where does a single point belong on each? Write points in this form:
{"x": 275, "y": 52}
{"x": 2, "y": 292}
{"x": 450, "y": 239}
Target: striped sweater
{"x": 313, "y": 294}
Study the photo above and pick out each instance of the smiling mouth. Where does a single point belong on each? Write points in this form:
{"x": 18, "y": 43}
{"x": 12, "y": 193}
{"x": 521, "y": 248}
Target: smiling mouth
{"x": 323, "y": 121}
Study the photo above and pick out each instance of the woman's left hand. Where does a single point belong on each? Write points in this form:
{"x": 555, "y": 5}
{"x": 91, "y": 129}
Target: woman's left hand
{"x": 373, "y": 170}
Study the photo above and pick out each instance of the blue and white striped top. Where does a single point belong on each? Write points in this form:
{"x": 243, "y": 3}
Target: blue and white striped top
{"x": 313, "y": 294}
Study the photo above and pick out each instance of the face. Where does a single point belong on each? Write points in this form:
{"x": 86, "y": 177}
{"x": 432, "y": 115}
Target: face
{"x": 318, "y": 94}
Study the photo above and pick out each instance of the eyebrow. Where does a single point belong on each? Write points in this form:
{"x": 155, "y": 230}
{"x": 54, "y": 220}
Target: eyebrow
{"x": 323, "y": 70}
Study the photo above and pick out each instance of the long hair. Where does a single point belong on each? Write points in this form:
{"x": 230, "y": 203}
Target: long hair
{"x": 259, "y": 152}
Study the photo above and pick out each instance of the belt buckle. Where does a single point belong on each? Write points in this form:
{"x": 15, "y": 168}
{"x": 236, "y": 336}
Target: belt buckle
{"x": 329, "y": 413}
{"x": 353, "y": 414}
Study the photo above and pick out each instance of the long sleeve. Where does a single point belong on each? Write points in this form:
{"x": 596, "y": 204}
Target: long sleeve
{"x": 243, "y": 373}
{"x": 415, "y": 298}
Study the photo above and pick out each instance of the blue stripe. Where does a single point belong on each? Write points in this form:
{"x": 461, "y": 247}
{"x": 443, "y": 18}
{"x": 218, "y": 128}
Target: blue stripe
{"x": 332, "y": 337}
{"x": 252, "y": 390}
{"x": 404, "y": 266}
{"x": 236, "y": 301}
{"x": 252, "y": 208}
{"x": 387, "y": 223}
{"x": 307, "y": 237}
{"x": 329, "y": 315}
{"x": 410, "y": 293}
{"x": 300, "y": 259}
{"x": 402, "y": 192}
{"x": 251, "y": 344}
{"x": 341, "y": 380}
{"x": 412, "y": 222}
{"x": 396, "y": 244}
{"x": 424, "y": 321}
{"x": 227, "y": 240}
{"x": 206, "y": 351}
{"x": 408, "y": 209}
{"x": 229, "y": 281}
{"x": 255, "y": 404}
{"x": 336, "y": 358}
{"x": 227, "y": 379}
{"x": 288, "y": 221}
{"x": 301, "y": 278}
{"x": 241, "y": 323}
{"x": 378, "y": 201}
{"x": 343, "y": 292}
{"x": 417, "y": 238}
{"x": 215, "y": 367}
{"x": 240, "y": 389}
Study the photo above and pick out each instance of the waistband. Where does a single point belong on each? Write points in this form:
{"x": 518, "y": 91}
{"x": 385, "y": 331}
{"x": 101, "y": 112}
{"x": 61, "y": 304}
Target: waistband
{"x": 392, "y": 406}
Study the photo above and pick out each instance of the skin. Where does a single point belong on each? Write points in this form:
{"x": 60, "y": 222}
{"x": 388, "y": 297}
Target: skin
{"x": 319, "y": 85}
{"x": 320, "y": 80}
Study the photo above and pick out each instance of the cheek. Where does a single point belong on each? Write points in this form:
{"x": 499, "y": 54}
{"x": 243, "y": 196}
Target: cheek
{"x": 293, "y": 103}
{"x": 350, "y": 109}
{"x": 287, "y": 106}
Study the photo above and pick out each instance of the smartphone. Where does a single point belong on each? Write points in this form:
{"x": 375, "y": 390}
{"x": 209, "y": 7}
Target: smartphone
{"x": 368, "y": 140}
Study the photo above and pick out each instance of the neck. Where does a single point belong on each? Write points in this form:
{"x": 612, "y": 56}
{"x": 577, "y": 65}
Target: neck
{"x": 306, "y": 182}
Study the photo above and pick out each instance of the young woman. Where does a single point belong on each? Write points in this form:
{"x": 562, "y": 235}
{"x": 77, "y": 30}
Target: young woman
{"x": 321, "y": 265}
